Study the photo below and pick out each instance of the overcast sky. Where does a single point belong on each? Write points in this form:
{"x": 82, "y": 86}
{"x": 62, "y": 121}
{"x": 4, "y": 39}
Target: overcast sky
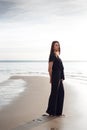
{"x": 27, "y": 28}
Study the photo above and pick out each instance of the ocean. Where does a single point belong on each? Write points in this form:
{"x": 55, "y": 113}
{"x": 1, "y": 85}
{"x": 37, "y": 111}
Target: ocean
{"x": 11, "y": 88}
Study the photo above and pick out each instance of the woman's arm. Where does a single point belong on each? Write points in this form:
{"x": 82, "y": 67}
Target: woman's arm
{"x": 50, "y": 64}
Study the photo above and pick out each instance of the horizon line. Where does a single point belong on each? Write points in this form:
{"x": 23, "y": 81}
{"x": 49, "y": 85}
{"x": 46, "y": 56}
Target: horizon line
{"x": 40, "y": 60}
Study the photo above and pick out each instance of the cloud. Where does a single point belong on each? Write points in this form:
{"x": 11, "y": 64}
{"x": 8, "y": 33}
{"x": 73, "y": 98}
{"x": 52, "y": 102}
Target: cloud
{"x": 6, "y": 6}
{"x": 40, "y": 10}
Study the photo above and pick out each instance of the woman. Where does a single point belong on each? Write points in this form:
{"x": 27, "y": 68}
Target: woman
{"x": 56, "y": 72}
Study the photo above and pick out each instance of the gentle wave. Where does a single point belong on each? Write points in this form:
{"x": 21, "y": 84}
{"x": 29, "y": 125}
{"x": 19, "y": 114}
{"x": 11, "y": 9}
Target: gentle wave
{"x": 10, "y": 89}
{"x": 77, "y": 76}
{"x": 76, "y": 70}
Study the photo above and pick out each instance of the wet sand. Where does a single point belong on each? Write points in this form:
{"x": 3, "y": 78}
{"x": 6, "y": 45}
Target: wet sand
{"x": 32, "y": 103}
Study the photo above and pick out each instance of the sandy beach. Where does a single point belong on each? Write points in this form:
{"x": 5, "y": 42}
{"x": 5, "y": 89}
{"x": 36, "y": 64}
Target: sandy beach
{"x": 32, "y": 103}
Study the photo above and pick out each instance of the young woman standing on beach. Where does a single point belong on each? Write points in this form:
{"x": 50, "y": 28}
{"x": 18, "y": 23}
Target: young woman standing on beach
{"x": 56, "y": 72}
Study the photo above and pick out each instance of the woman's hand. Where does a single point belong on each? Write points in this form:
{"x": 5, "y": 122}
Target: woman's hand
{"x": 62, "y": 80}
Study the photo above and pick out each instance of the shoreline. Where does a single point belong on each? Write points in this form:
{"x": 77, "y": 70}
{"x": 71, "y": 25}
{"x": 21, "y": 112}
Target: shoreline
{"x": 32, "y": 103}
{"x": 28, "y": 105}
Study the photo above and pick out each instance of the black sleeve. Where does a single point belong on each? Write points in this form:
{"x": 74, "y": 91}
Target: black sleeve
{"x": 63, "y": 76}
{"x": 51, "y": 57}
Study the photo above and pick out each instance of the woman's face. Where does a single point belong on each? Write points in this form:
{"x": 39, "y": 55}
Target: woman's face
{"x": 56, "y": 47}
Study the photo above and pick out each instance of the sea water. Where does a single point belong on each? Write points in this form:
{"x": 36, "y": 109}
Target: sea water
{"x": 11, "y": 88}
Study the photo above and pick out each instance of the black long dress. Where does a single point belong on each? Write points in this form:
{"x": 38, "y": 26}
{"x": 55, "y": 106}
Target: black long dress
{"x": 56, "y": 99}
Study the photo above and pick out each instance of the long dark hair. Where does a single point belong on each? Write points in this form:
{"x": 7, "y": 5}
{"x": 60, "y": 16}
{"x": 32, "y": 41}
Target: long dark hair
{"x": 52, "y": 47}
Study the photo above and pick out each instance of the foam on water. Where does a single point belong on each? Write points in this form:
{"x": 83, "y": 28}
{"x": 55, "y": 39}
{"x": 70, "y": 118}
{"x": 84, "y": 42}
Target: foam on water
{"x": 9, "y": 90}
